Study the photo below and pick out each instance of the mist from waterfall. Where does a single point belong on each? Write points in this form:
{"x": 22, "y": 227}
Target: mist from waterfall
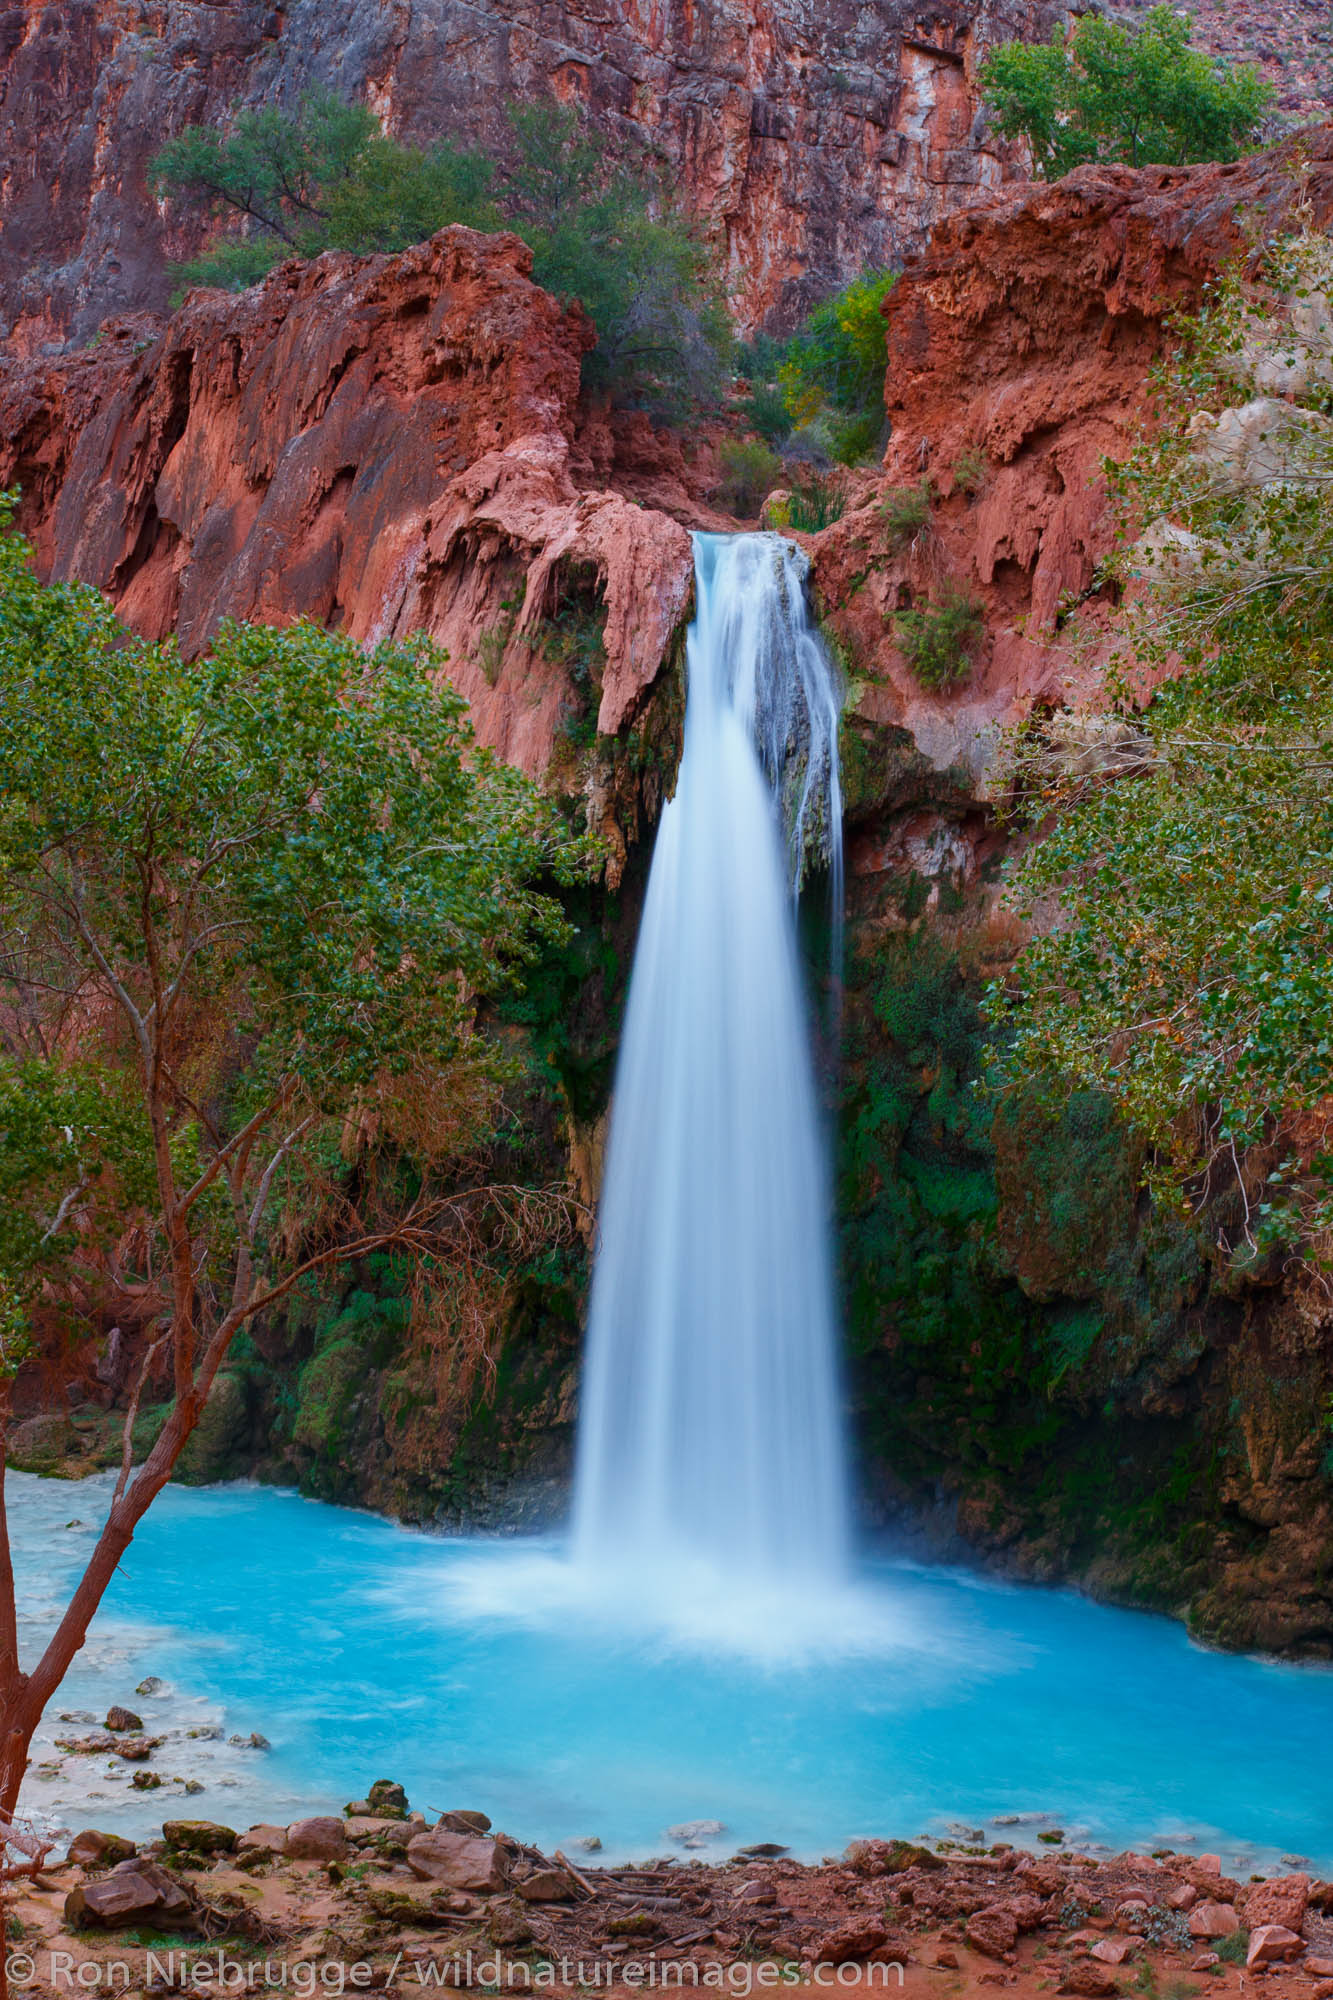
{"x": 710, "y": 1432}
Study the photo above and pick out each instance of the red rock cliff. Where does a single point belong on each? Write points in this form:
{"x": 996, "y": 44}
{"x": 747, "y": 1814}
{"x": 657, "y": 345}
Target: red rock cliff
{"x": 1019, "y": 347}
{"x": 817, "y": 138}
{"x": 384, "y": 444}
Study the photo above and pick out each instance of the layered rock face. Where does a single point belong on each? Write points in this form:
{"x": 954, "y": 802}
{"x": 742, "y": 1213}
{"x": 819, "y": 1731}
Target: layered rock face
{"x": 1047, "y": 1366}
{"x": 816, "y": 139}
{"x": 383, "y": 444}
{"x": 397, "y": 444}
{"x": 1019, "y": 349}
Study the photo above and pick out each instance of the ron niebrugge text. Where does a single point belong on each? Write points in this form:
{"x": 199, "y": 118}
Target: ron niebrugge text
{"x": 217, "y": 1972}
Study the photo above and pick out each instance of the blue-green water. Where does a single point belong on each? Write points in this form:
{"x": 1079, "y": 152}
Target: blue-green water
{"x": 492, "y": 1676}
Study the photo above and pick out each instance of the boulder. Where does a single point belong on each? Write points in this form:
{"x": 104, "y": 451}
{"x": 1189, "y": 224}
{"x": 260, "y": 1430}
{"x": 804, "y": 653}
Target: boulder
{"x": 546, "y": 1885}
{"x": 199, "y": 1836}
{"x": 320, "y": 1839}
{"x": 459, "y": 1860}
{"x": 509, "y": 1925}
{"x": 890, "y": 1857}
{"x": 390, "y": 1836}
{"x": 123, "y": 1718}
{"x": 387, "y": 1799}
{"x": 850, "y": 1942}
{"x": 993, "y": 1931}
{"x": 1319, "y": 1965}
{"x": 1093, "y": 1981}
{"x": 1283, "y": 1900}
{"x": 1270, "y": 1944}
{"x": 132, "y": 1891}
{"x": 103, "y": 1742}
{"x": 464, "y": 1822}
{"x": 1213, "y": 1920}
{"x": 39, "y": 1443}
{"x": 695, "y": 1832}
{"x": 1183, "y": 1897}
{"x": 91, "y": 1849}
{"x": 1110, "y": 1951}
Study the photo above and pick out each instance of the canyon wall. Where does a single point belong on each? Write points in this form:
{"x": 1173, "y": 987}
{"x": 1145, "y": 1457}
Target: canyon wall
{"x": 1042, "y": 1366}
{"x": 815, "y": 138}
{"x": 1046, "y": 1366}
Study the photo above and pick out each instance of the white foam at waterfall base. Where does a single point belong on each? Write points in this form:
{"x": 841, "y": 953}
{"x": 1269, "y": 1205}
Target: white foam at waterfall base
{"x": 710, "y": 1465}
{"x": 671, "y": 1603}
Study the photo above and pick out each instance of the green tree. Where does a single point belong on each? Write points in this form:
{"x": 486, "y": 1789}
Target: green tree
{"x": 609, "y": 234}
{"x": 1191, "y": 857}
{"x": 838, "y": 357}
{"x": 321, "y": 177}
{"x": 827, "y": 378}
{"x": 248, "y": 904}
{"x": 1106, "y": 91}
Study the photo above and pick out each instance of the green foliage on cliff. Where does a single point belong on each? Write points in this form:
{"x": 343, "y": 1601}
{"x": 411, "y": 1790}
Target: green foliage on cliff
{"x": 1191, "y": 859}
{"x": 1006, "y": 1294}
{"x": 609, "y": 233}
{"x": 837, "y": 359}
{"x": 1138, "y": 94}
{"x": 926, "y": 1292}
{"x": 265, "y": 889}
{"x": 825, "y": 382}
{"x": 940, "y": 640}
{"x": 320, "y": 177}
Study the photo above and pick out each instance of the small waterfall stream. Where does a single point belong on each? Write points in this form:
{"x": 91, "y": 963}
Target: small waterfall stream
{"x": 710, "y": 1430}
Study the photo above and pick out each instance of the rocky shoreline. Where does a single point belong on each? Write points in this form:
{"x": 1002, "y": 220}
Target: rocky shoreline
{"x": 384, "y": 1900}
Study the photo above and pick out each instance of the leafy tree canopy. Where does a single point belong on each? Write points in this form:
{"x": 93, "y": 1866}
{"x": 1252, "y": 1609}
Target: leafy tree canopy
{"x": 825, "y": 381}
{"x": 240, "y": 897}
{"x": 320, "y": 177}
{"x": 1137, "y": 94}
{"x": 1191, "y": 860}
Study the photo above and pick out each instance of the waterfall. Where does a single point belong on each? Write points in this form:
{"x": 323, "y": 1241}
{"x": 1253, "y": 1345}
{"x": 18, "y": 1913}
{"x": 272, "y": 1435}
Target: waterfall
{"x": 710, "y": 1428}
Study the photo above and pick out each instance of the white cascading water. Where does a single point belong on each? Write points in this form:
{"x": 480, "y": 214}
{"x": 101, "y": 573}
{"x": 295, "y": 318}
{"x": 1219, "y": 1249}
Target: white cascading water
{"x": 710, "y": 1431}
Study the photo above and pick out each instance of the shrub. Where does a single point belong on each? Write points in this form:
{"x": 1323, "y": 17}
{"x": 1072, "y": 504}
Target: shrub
{"x": 809, "y": 507}
{"x": 1136, "y": 94}
{"x": 940, "y": 642}
{"x": 905, "y": 511}
{"x": 970, "y": 473}
{"x": 766, "y": 412}
{"x": 838, "y": 357}
{"x": 857, "y": 440}
{"x": 749, "y": 472}
{"x": 612, "y": 236}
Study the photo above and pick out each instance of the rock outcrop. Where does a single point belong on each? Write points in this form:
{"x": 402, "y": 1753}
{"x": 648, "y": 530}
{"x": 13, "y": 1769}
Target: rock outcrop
{"x": 383, "y": 444}
{"x": 816, "y": 140}
{"x": 1019, "y": 349}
